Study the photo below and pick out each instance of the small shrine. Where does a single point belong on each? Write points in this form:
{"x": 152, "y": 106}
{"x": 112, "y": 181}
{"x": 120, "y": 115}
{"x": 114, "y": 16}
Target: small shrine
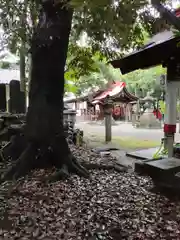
{"x": 122, "y": 101}
{"x": 90, "y": 107}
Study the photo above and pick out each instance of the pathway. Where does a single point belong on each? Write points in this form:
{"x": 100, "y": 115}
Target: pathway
{"x": 125, "y": 130}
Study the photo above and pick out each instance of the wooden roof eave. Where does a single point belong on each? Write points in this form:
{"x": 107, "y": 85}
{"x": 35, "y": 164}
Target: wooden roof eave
{"x": 151, "y": 55}
{"x": 128, "y": 97}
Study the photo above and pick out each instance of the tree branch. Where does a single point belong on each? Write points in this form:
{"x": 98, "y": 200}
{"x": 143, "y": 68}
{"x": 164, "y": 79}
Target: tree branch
{"x": 165, "y": 13}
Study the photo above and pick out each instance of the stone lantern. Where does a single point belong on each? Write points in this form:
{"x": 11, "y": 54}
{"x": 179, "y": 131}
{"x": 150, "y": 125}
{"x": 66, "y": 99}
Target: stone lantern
{"x": 107, "y": 108}
{"x": 108, "y": 105}
{"x": 148, "y": 119}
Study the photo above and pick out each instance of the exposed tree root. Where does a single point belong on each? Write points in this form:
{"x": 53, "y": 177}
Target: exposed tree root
{"x": 14, "y": 148}
{"x": 79, "y": 168}
{"x": 109, "y": 167}
{"x": 70, "y": 167}
{"x": 24, "y": 164}
{"x": 31, "y": 156}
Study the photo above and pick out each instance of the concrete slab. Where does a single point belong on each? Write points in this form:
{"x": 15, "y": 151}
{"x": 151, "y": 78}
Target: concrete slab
{"x": 139, "y": 165}
{"x": 164, "y": 169}
{"x": 165, "y": 173}
{"x": 165, "y": 164}
{"x": 157, "y": 168}
{"x": 143, "y": 154}
{"x": 122, "y": 159}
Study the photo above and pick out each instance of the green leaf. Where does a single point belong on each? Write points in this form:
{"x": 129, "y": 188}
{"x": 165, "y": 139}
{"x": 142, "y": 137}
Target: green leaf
{"x": 70, "y": 88}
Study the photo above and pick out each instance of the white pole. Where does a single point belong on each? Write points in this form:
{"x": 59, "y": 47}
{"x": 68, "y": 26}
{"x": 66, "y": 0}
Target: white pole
{"x": 170, "y": 114}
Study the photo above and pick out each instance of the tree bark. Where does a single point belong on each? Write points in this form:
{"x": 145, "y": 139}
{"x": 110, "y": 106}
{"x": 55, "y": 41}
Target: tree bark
{"x": 43, "y": 133}
{"x": 22, "y": 68}
{"x": 23, "y": 75}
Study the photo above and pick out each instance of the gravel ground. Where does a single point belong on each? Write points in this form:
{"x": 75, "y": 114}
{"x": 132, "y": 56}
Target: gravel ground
{"x": 110, "y": 205}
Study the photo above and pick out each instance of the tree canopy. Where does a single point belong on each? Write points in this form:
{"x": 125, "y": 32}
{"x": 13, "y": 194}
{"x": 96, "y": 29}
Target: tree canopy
{"x": 111, "y": 27}
{"x": 116, "y": 24}
{"x": 142, "y": 81}
{"x": 139, "y": 82}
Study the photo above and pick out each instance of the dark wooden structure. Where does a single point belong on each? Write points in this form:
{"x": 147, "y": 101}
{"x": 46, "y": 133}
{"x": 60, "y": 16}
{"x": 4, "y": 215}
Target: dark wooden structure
{"x": 158, "y": 50}
{"x": 163, "y": 48}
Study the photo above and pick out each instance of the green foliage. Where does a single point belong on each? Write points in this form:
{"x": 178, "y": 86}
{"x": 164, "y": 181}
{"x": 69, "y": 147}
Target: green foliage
{"x": 115, "y": 25}
{"x": 18, "y": 19}
{"x": 108, "y": 72}
{"x": 97, "y": 79}
{"x": 142, "y": 81}
{"x": 70, "y": 87}
{"x": 178, "y": 106}
{"x": 110, "y": 25}
{"x": 138, "y": 82}
{"x": 162, "y": 106}
{"x": 80, "y": 62}
{"x": 4, "y": 65}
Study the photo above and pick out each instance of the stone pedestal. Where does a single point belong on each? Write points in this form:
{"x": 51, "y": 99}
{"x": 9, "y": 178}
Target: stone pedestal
{"x": 148, "y": 120}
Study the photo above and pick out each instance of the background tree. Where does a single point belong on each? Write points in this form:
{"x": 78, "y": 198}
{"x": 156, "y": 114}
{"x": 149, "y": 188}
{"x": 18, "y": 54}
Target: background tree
{"x": 139, "y": 82}
{"x": 142, "y": 81}
{"x": 18, "y": 19}
{"x": 80, "y": 62}
{"x": 91, "y": 73}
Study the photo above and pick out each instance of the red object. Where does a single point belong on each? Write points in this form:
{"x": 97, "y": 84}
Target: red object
{"x": 117, "y": 111}
{"x": 169, "y": 128}
{"x": 157, "y": 114}
{"x": 177, "y": 12}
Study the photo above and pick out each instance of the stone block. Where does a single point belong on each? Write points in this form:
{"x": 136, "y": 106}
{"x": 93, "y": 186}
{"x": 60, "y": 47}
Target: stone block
{"x": 163, "y": 167}
{"x": 140, "y": 167}
{"x": 17, "y": 98}
{"x": 3, "y": 97}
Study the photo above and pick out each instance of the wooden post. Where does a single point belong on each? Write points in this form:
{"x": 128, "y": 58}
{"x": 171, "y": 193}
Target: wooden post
{"x": 108, "y": 119}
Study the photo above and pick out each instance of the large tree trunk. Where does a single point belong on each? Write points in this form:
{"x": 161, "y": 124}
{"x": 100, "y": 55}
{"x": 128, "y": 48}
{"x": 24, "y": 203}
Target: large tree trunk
{"x": 43, "y": 136}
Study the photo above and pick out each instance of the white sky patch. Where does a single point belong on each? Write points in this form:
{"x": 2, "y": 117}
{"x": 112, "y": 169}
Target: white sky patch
{"x": 175, "y": 3}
